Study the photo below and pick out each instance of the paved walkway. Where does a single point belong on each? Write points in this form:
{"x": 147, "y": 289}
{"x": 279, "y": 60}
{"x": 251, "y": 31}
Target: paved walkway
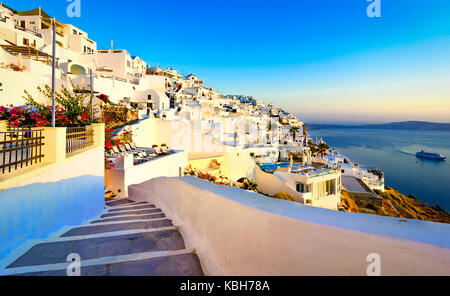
{"x": 128, "y": 239}
{"x": 352, "y": 185}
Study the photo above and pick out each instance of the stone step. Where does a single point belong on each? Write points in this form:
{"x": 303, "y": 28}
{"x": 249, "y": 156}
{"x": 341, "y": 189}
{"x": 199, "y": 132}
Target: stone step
{"x": 125, "y": 213}
{"x": 183, "y": 264}
{"x": 119, "y": 202}
{"x": 143, "y": 217}
{"x": 143, "y": 207}
{"x": 93, "y": 229}
{"x": 92, "y": 248}
{"x": 127, "y": 205}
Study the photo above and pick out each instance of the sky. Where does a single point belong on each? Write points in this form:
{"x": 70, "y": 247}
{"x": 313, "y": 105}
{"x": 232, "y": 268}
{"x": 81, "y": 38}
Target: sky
{"x": 324, "y": 60}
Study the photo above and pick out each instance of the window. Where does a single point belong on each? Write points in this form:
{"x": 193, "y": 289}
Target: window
{"x": 303, "y": 188}
{"x": 32, "y": 23}
{"x": 74, "y": 32}
{"x": 149, "y": 97}
{"x": 330, "y": 187}
{"x": 26, "y": 41}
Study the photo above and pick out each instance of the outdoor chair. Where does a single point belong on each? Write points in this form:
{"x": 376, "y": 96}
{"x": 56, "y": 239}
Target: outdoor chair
{"x": 164, "y": 150}
{"x": 158, "y": 150}
{"x": 122, "y": 148}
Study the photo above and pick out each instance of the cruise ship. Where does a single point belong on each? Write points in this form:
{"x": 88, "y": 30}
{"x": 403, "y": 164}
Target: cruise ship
{"x": 433, "y": 156}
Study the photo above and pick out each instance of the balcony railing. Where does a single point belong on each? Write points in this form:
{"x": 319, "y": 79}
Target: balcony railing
{"x": 18, "y": 27}
{"x": 78, "y": 139}
{"x": 20, "y": 148}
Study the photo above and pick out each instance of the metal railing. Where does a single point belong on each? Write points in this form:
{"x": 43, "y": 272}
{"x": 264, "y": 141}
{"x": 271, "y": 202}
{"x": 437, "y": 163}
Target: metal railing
{"x": 19, "y": 27}
{"x": 78, "y": 139}
{"x": 20, "y": 148}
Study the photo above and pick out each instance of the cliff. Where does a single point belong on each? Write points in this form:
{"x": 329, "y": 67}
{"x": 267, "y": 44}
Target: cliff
{"x": 395, "y": 204}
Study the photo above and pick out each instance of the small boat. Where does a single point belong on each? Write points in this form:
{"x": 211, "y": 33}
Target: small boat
{"x": 433, "y": 156}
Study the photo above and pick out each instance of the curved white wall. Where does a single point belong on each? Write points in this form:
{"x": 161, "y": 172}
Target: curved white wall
{"x": 271, "y": 184}
{"x": 241, "y": 233}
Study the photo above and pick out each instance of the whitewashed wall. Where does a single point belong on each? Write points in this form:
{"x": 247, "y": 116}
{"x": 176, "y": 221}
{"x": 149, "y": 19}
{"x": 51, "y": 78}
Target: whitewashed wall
{"x": 241, "y": 233}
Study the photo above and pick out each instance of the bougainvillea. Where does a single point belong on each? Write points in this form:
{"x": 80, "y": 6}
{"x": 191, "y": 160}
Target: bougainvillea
{"x": 218, "y": 180}
{"x": 25, "y": 116}
{"x": 75, "y": 104}
{"x": 13, "y": 67}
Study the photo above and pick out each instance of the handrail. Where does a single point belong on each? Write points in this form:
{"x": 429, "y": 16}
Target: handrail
{"x": 78, "y": 139}
{"x": 20, "y": 148}
{"x": 18, "y": 27}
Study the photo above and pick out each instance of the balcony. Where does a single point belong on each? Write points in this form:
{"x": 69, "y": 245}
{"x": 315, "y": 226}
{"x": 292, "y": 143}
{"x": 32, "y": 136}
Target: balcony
{"x": 18, "y": 27}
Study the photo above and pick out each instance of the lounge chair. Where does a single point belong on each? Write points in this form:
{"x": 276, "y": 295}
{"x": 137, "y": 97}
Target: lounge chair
{"x": 164, "y": 150}
{"x": 122, "y": 148}
{"x": 115, "y": 149}
{"x": 158, "y": 150}
{"x": 128, "y": 147}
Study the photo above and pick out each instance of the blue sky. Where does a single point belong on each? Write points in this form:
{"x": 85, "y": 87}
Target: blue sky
{"x": 324, "y": 60}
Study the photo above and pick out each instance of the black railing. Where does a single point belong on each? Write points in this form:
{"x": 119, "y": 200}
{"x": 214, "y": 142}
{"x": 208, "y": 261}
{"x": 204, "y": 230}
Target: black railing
{"x": 20, "y": 148}
{"x": 78, "y": 139}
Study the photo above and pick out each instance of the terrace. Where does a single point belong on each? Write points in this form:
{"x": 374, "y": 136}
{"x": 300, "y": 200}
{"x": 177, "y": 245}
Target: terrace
{"x": 130, "y": 165}
{"x": 312, "y": 171}
{"x": 140, "y": 155}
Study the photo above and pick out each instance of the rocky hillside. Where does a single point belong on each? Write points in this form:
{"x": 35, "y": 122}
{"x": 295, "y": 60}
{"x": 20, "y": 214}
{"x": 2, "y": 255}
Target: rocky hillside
{"x": 395, "y": 204}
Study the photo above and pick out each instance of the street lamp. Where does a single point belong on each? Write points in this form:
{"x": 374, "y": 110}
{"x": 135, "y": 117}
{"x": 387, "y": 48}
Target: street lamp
{"x": 92, "y": 95}
{"x": 53, "y": 73}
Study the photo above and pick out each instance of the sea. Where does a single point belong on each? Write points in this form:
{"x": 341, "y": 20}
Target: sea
{"x": 394, "y": 152}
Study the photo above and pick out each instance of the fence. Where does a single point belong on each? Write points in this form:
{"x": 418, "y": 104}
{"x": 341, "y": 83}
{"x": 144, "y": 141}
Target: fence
{"x": 78, "y": 139}
{"x": 20, "y": 148}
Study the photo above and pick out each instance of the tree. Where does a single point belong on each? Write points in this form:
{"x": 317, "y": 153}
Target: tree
{"x": 294, "y": 130}
{"x": 76, "y": 103}
{"x": 323, "y": 148}
{"x": 314, "y": 149}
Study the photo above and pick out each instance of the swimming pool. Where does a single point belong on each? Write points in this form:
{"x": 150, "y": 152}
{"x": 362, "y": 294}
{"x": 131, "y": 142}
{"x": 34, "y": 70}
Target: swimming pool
{"x": 271, "y": 167}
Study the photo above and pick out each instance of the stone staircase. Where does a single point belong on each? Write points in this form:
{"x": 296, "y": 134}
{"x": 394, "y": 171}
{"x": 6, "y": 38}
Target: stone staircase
{"x": 129, "y": 239}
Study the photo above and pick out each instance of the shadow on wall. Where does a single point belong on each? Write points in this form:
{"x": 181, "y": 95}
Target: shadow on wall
{"x": 37, "y": 210}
